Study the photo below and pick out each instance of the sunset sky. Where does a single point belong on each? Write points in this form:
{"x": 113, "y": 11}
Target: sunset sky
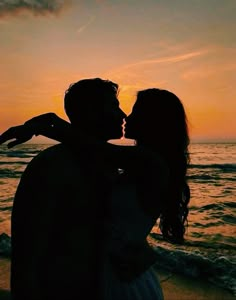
{"x": 185, "y": 46}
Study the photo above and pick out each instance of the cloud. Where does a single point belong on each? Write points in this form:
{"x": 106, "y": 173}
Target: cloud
{"x": 170, "y": 59}
{"x": 83, "y": 27}
{"x": 12, "y": 7}
{"x": 131, "y": 70}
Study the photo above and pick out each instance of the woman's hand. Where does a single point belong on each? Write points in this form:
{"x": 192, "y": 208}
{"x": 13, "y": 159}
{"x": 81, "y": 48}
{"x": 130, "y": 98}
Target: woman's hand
{"x": 48, "y": 125}
{"x": 20, "y": 134}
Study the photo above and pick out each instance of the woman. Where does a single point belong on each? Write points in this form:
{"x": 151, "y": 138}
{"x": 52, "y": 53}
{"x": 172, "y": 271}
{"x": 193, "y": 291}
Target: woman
{"x": 156, "y": 142}
{"x": 146, "y": 124}
{"x": 158, "y": 122}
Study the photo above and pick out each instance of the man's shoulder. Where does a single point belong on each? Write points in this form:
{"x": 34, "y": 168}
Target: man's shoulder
{"x": 53, "y": 153}
{"x": 54, "y": 158}
{"x": 54, "y": 150}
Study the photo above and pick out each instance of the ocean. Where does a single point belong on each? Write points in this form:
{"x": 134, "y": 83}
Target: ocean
{"x": 209, "y": 251}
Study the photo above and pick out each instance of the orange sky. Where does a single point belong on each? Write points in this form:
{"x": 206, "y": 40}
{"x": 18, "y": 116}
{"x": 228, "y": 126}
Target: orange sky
{"x": 187, "y": 47}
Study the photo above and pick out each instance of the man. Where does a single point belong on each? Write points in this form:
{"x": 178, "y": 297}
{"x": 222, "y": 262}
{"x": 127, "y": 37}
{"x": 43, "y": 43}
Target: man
{"x": 58, "y": 211}
{"x": 63, "y": 196}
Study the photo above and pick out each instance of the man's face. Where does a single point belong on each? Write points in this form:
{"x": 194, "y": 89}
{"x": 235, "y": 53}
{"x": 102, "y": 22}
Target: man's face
{"x": 112, "y": 118}
{"x": 104, "y": 118}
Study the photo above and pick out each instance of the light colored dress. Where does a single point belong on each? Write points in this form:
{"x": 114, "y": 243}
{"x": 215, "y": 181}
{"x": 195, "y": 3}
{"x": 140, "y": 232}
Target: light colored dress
{"x": 130, "y": 225}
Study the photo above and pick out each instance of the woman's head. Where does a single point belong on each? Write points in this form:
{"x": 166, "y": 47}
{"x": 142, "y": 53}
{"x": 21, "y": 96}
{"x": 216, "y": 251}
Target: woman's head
{"x": 158, "y": 118}
{"x": 158, "y": 121}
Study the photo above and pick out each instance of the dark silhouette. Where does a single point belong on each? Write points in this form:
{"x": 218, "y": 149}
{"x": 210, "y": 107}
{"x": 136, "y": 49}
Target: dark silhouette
{"x": 57, "y": 216}
{"x": 156, "y": 168}
{"x": 4, "y": 295}
{"x": 158, "y": 122}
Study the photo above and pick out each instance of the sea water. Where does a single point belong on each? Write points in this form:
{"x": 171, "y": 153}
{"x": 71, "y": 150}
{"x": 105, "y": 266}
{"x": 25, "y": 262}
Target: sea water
{"x": 209, "y": 249}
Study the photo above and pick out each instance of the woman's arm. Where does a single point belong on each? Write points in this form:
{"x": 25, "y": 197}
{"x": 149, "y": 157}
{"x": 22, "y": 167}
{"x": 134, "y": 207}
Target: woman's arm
{"x": 135, "y": 159}
{"x": 48, "y": 125}
{"x": 53, "y": 127}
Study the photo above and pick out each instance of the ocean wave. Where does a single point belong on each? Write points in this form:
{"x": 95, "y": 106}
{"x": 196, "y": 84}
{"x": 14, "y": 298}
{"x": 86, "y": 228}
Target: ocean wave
{"x": 9, "y": 199}
{"x": 210, "y": 260}
{"x": 7, "y": 173}
{"x": 204, "y": 177}
{"x": 217, "y": 209}
{"x": 5, "y": 208}
{"x": 209, "y": 243}
{"x": 230, "y": 219}
{"x": 13, "y": 162}
{"x": 223, "y": 167}
{"x": 211, "y": 206}
{"x": 212, "y": 241}
{"x": 5, "y": 245}
{"x": 230, "y": 204}
{"x": 20, "y": 154}
{"x": 220, "y": 271}
{"x": 210, "y": 224}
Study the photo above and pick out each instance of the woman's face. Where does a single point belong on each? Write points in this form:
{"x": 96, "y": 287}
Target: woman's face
{"x": 134, "y": 123}
{"x": 129, "y": 127}
{"x": 156, "y": 115}
{"x": 142, "y": 122}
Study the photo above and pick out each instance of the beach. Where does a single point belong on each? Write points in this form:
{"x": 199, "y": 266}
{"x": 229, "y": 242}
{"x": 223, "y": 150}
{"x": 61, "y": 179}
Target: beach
{"x": 4, "y": 278}
{"x": 178, "y": 287}
{"x": 204, "y": 266}
{"x": 174, "y": 286}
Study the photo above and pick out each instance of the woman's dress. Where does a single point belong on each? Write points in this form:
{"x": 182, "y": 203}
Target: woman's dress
{"x": 130, "y": 226}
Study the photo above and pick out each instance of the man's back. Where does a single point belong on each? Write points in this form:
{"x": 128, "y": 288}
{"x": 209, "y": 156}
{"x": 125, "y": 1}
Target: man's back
{"x": 56, "y": 228}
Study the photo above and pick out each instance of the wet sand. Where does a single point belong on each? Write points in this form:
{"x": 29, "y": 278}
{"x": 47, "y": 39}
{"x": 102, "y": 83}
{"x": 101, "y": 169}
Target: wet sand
{"x": 178, "y": 287}
{"x": 4, "y": 279}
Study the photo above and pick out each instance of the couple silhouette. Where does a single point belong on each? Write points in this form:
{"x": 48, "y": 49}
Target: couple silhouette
{"x": 79, "y": 226}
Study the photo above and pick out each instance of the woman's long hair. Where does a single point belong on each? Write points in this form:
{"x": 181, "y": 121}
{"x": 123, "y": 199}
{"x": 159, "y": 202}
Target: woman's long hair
{"x": 163, "y": 127}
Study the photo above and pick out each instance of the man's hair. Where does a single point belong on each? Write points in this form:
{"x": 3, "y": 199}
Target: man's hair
{"x": 87, "y": 94}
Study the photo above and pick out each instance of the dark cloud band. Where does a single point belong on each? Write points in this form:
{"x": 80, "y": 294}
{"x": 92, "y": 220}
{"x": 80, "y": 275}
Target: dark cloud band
{"x": 34, "y": 6}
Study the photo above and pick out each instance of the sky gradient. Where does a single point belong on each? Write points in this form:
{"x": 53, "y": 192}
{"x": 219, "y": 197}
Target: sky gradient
{"x": 185, "y": 46}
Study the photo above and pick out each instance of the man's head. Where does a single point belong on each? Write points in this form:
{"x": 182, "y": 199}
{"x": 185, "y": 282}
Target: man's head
{"x": 92, "y": 105}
